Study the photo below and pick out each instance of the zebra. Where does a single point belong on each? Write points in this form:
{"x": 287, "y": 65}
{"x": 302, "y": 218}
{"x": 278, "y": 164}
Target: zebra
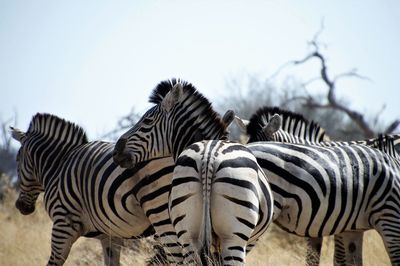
{"x": 85, "y": 192}
{"x": 208, "y": 174}
{"x": 274, "y": 124}
{"x": 320, "y": 191}
{"x": 219, "y": 189}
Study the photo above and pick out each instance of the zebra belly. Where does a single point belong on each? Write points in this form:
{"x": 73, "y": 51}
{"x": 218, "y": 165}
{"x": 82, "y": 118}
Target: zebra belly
{"x": 109, "y": 205}
{"x": 125, "y": 221}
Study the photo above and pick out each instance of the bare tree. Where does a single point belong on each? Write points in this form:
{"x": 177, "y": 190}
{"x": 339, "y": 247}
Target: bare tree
{"x": 331, "y": 101}
{"x": 334, "y": 114}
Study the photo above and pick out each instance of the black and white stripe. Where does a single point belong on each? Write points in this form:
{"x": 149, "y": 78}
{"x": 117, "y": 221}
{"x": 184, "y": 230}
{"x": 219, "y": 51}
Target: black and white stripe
{"x": 289, "y": 127}
{"x": 181, "y": 117}
{"x": 322, "y": 191}
{"x": 385, "y": 143}
{"x": 219, "y": 189}
{"x": 85, "y": 192}
{"x": 275, "y": 124}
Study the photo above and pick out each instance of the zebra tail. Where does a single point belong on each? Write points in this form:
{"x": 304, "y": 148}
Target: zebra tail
{"x": 205, "y": 235}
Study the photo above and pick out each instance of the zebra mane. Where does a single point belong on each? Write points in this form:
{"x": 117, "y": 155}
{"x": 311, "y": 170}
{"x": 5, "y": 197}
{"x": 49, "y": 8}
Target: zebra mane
{"x": 47, "y": 125}
{"x": 165, "y": 86}
{"x": 385, "y": 143}
{"x": 161, "y": 90}
{"x": 263, "y": 115}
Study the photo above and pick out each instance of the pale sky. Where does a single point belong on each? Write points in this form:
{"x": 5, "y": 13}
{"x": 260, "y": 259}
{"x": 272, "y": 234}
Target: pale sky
{"x": 91, "y": 61}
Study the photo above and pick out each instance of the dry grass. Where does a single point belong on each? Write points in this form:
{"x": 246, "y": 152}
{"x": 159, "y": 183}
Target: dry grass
{"x": 25, "y": 240}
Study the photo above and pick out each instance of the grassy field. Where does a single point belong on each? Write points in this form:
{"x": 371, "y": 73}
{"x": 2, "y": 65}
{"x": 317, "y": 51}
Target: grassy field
{"x": 25, "y": 240}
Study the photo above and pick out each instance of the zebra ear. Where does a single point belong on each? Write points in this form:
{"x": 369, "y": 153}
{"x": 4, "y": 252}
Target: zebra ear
{"x": 228, "y": 117}
{"x": 274, "y": 125}
{"x": 18, "y": 134}
{"x": 172, "y": 97}
{"x": 242, "y": 124}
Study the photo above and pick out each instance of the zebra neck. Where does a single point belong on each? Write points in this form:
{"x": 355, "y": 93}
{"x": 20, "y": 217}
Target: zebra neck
{"x": 50, "y": 163}
{"x": 194, "y": 133}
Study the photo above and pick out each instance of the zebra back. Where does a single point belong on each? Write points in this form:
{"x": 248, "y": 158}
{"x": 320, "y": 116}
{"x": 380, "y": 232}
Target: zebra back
{"x": 274, "y": 124}
{"x": 292, "y": 127}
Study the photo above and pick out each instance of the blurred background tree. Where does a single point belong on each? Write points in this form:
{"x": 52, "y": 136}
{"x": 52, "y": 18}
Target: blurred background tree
{"x": 8, "y": 153}
{"x": 334, "y": 114}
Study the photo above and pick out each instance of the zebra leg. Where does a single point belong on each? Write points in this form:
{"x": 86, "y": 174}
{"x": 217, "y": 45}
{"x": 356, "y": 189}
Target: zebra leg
{"x": 159, "y": 258}
{"x": 233, "y": 250}
{"x": 313, "y": 255}
{"x": 232, "y": 230}
{"x": 348, "y": 248}
{"x": 63, "y": 235}
{"x": 188, "y": 226}
{"x": 389, "y": 229}
{"x": 170, "y": 250}
{"x": 111, "y": 250}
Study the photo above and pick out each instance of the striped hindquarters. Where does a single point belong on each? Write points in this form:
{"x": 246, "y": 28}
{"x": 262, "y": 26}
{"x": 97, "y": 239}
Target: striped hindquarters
{"x": 218, "y": 188}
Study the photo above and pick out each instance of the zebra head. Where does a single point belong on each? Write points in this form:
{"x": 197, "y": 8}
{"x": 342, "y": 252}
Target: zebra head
{"x": 181, "y": 116}
{"x": 48, "y": 139}
{"x": 267, "y": 132}
{"x": 275, "y": 124}
{"x": 29, "y": 185}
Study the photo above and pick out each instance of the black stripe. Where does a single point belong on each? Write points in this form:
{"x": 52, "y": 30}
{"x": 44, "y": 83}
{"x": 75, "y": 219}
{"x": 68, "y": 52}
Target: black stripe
{"x": 238, "y": 162}
{"x": 243, "y": 203}
{"x": 233, "y": 258}
{"x": 236, "y": 248}
{"x": 237, "y": 182}
{"x": 344, "y": 189}
{"x": 157, "y": 210}
{"x": 245, "y": 222}
{"x": 179, "y": 200}
{"x": 150, "y": 179}
{"x": 155, "y": 194}
{"x": 180, "y": 233}
{"x": 291, "y": 179}
{"x": 186, "y": 161}
{"x": 183, "y": 180}
{"x": 285, "y": 194}
{"x": 242, "y": 236}
{"x": 234, "y": 148}
{"x": 162, "y": 222}
{"x": 178, "y": 219}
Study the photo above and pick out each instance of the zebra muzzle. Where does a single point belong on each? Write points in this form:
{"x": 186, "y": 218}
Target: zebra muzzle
{"x": 120, "y": 146}
{"x": 24, "y": 208}
{"x": 124, "y": 160}
{"x": 120, "y": 156}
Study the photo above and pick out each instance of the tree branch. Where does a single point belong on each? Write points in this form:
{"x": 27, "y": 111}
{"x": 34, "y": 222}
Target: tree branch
{"x": 392, "y": 127}
{"x": 356, "y": 116}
